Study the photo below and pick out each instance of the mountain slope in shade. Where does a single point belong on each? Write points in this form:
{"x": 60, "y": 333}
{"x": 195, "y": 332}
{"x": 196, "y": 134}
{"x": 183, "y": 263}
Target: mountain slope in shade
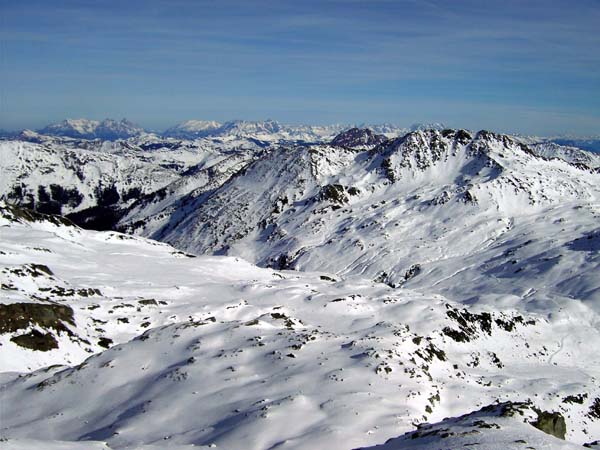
{"x": 358, "y": 139}
{"x": 213, "y": 350}
{"x": 152, "y": 212}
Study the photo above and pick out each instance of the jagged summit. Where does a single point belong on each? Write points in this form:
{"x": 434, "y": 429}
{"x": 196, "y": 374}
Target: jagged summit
{"x": 574, "y": 155}
{"x": 358, "y": 138}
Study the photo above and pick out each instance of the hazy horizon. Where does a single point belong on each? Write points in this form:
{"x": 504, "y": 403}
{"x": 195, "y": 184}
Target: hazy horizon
{"x": 517, "y": 67}
{"x": 343, "y": 124}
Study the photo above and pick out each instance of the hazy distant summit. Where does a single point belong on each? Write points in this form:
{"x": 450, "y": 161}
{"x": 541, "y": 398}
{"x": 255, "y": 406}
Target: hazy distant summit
{"x": 107, "y": 129}
{"x": 110, "y": 129}
{"x": 192, "y": 129}
{"x": 266, "y": 131}
{"x": 427, "y": 126}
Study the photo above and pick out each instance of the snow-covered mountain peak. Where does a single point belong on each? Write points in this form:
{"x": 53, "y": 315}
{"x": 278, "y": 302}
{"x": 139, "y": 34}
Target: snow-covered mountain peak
{"x": 427, "y": 126}
{"x": 80, "y": 126}
{"x": 435, "y": 272}
{"x": 263, "y": 133}
{"x": 198, "y": 125}
{"x": 245, "y": 126}
{"x": 107, "y": 129}
{"x": 191, "y": 129}
{"x": 448, "y": 151}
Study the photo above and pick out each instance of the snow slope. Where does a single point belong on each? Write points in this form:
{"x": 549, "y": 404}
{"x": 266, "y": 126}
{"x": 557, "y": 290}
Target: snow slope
{"x": 504, "y": 426}
{"x": 215, "y": 351}
{"x": 476, "y": 218}
{"x": 570, "y": 154}
{"x": 160, "y": 208}
{"x": 97, "y": 181}
{"x": 55, "y": 178}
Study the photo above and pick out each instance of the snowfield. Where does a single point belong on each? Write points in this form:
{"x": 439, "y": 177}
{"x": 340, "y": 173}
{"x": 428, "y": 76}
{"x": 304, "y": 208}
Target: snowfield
{"x": 437, "y": 290}
{"x": 212, "y": 350}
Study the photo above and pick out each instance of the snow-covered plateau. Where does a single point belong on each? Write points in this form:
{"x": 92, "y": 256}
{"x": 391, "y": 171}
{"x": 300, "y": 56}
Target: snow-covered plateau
{"x": 437, "y": 289}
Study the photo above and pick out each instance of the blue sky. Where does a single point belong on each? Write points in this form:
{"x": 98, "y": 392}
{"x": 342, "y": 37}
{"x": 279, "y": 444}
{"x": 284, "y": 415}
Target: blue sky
{"x": 512, "y": 65}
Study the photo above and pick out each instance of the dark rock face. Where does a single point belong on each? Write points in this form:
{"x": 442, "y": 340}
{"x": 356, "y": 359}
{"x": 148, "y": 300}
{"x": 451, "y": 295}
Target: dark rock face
{"x": 53, "y": 201}
{"x": 470, "y": 325}
{"x": 36, "y": 340}
{"x": 99, "y": 218}
{"x": 594, "y": 412}
{"x": 336, "y": 193}
{"x": 552, "y": 423}
{"x": 105, "y": 342}
{"x": 358, "y": 137}
{"x": 412, "y": 271}
{"x": 18, "y": 316}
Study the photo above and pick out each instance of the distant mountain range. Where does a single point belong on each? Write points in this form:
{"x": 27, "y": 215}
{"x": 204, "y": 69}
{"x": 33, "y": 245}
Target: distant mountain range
{"x": 107, "y": 129}
{"x": 239, "y": 132}
{"x": 267, "y": 131}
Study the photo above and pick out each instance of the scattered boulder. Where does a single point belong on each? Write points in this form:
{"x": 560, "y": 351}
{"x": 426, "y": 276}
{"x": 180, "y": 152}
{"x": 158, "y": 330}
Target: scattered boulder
{"x": 19, "y": 316}
{"x": 552, "y": 423}
{"x": 36, "y": 340}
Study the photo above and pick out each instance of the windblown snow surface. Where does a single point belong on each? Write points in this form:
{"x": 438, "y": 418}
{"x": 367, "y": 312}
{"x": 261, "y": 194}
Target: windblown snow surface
{"x": 448, "y": 298}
